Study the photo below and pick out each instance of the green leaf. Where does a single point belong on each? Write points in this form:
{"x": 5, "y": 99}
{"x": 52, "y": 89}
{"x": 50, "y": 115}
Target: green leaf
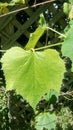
{"x": 45, "y": 121}
{"x": 35, "y": 36}
{"x": 32, "y": 73}
{"x": 67, "y": 47}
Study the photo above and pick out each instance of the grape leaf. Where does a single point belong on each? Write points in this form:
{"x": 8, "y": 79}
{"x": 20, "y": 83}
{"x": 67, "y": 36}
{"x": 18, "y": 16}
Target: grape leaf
{"x": 45, "y": 121}
{"x": 67, "y": 47}
{"x": 32, "y": 73}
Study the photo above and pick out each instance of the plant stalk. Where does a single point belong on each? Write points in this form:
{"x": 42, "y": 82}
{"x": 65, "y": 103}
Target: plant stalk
{"x": 56, "y": 32}
{"x": 46, "y": 47}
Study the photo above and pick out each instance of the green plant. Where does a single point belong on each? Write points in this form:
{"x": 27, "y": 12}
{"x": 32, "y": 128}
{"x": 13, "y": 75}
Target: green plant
{"x": 33, "y": 72}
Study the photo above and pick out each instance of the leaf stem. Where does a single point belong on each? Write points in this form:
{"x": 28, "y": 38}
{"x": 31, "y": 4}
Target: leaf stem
{"x": 46, "y": 47}
{"x": 56, "y": 32}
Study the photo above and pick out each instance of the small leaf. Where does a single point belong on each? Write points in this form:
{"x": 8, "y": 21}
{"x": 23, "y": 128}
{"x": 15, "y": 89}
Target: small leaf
{"x": 32, "y": 73}
{"x": 45, "y": 121}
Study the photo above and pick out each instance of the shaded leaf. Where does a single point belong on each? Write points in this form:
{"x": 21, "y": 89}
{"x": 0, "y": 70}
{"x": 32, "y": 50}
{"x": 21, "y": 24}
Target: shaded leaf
{"x": 32, "y": 73}
{"x": 67, "y": 47}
